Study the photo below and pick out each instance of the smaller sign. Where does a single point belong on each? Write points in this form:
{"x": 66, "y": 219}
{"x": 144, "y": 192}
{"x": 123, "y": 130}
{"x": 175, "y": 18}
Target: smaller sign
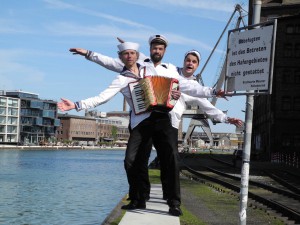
{"x": 250, "y": 59}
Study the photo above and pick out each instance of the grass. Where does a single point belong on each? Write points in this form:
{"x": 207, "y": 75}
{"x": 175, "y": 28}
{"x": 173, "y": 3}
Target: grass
{"x": 221, "y": 204}
{"x": 218, "y": 203}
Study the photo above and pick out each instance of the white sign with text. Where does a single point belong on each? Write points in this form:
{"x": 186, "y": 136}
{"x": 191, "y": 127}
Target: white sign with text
{"x": 249, "y": 59}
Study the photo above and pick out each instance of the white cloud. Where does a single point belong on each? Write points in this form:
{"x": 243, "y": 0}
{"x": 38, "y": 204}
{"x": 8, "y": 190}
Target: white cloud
{"x": 14, "y": 74}
{"x": 14, "y": 27}
{"x": 208, "y": 9}
{"x": 211, "y": 5}
{"x": 140, "y": 35}
{"x": 61, "y": 5}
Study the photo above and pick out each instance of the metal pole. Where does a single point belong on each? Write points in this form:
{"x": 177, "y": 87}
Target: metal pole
{"x": 247, "y": 136}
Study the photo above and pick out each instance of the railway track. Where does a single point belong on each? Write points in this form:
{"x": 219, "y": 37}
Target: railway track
{"x": 271, "y": 187}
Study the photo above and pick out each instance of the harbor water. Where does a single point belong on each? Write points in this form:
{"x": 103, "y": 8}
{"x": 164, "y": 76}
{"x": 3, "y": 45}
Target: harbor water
{"x": 60, "y": 186}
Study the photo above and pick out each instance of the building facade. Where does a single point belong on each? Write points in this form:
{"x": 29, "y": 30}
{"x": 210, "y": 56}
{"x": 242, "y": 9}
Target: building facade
{"x": 38, "y": 118}
{"x": 276, "y": 117}
{"x": 76, "y": 129}
{"x": 93, "y": 128}
{"x": 9, "y": 120}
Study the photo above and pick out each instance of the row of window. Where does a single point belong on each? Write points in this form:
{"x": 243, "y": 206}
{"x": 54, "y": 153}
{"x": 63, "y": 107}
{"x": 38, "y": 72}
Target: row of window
{"x": 110, "y": 122}
{"x": 293, "y": 29}
{"x": 292, "y": 50}
{"x": 8, "y": 102}
{"x": 10, "y": 111}
{"x": 8, "y": 129}
{"x": 36, "y": 129}
{"x": 289, "y": 103}
{"x": 82, "y": 133}
{"x": 290, "y": 76}
{"x": 8, "y": 120}
{"x": 8, "y": 138}
{"x": 290, "y": 140}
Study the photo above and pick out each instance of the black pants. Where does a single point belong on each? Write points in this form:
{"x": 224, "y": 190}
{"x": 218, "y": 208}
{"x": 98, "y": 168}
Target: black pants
{"x": 157, "y": 128}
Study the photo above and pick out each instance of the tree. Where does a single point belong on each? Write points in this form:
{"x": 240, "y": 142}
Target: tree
{"x": 114, "y": 131}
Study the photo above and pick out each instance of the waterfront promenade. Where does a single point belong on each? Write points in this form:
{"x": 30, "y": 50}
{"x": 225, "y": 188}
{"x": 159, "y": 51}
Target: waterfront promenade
{"x": 156, "y": 212}
{"x": 54, "y": 147}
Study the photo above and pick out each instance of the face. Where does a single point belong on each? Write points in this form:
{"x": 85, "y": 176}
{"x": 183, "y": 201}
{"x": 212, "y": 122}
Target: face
{"x": 157, "y": 52}
{"x": 190, "y": 65}
{"x": 128, "y": 57}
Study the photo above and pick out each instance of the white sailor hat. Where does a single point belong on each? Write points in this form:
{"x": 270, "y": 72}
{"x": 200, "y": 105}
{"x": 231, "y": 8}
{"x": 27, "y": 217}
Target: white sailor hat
{"x": 158, "y": 38}
{"x": 195, "y": 52}
{"x": 128, "y": 45}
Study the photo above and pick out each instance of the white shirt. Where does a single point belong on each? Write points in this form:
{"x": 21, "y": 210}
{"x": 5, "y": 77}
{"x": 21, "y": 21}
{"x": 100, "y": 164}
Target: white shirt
{"x": 188, "y": 86}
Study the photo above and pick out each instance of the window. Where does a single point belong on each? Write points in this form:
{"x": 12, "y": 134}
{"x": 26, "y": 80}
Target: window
{"x": 11, "y": 138}
{"x": 2, "y": 101}
{"x": 297, "y": 28}
{"x": 286, "y": 103}
{"x": 288, "y": 50}
{"x": 297, "y": 103}
{"x": 2, "y": 111}
{"x": 12, "y": 120}
{"x": 297, "y": 50}
{"x": 11, "y": 129}
{"x": 289, "y": 29}
{"x": 297, "y": 77}
{"x": 287, "y": 76}
{"x": 2, "y": 120}
{"x": 286, "y": 140}
{"x": 13, "y": 102}
{"x": 2, "y": 129}
{"x": 297, "y": 140}
{"x": 12, "y": 112}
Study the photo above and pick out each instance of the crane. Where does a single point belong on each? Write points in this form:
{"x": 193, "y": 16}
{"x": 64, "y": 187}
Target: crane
{"x": 198, "y": 118}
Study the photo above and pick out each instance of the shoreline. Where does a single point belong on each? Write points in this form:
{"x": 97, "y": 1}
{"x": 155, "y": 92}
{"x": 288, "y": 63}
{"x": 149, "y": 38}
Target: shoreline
{"x": 11, "y": 147}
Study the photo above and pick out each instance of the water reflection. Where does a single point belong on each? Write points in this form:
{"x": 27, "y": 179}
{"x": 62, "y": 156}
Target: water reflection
{"x": 60, "y": 187}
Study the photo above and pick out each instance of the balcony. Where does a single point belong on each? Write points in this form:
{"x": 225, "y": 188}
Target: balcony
{"x": 36, "y": 104}
{"x": 49, "y": 114}
{"x": 38, "y": 121}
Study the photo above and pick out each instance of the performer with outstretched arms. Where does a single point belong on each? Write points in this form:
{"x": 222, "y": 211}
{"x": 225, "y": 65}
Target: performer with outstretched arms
{"x": 158, "y": 45}
{"x": 153, "y": 125}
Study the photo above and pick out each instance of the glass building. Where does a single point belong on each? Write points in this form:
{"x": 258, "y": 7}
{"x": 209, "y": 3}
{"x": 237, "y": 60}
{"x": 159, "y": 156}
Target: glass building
{"x": 38, "y": 118}
{"x": 9, "y": 120}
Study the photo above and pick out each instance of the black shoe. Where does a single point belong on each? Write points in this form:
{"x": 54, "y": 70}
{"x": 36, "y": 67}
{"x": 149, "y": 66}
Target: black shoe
{"x": 165, "y": 196}
{"x": 175, "y": 211}
{"x": 134, "y": 205}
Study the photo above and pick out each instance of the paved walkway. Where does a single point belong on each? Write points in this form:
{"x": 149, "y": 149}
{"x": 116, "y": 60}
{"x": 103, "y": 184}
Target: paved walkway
{"x": 156, "y": 212}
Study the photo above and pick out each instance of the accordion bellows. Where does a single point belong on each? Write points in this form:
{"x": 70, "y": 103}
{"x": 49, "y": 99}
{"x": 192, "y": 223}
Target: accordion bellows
{"x": 153, "y": 93}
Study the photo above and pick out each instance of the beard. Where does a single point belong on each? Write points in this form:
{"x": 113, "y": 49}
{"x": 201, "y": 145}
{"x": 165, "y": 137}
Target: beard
{"x": 156, "y": 57}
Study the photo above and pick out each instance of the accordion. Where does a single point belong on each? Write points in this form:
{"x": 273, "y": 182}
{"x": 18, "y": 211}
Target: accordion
{"x": 153, "y": 93}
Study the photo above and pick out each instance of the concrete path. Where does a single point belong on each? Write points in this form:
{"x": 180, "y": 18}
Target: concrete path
{"x": 156, "y": 212}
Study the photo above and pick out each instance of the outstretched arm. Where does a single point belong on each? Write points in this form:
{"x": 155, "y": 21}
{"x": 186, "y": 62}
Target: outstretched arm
{"x": 79, "y": 51}
{"x": 65, "y": 105}
{"x": 235, "y": 121}
{"x": 113, "y": 64}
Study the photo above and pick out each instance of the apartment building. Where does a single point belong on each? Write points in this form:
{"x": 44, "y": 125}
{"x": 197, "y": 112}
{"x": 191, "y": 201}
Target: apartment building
{"x": 37, "y": 117}
{"x": 9, "y": 120}
{"x": 276, "y": 117}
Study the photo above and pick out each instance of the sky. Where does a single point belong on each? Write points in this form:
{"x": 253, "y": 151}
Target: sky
{"x": 36, "y": 35}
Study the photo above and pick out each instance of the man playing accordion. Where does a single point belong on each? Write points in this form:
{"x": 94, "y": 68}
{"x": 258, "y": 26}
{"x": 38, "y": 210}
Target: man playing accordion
{"x": 150, "y": 126}
{"x": 158, "y": 44}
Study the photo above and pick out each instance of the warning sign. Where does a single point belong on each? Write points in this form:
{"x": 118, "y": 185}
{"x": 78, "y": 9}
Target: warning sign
{"x": 249, "y": 59}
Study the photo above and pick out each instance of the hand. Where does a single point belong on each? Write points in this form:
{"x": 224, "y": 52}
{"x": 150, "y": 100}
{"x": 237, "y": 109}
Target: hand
{"x": 120, "y": 40}
{"x": 78, "y": 51}
{"x": 65, "y": 105}
{"x": 175, "y": 94}
{"x": 236, "y": 122}
{"x": 221, "y": 94}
